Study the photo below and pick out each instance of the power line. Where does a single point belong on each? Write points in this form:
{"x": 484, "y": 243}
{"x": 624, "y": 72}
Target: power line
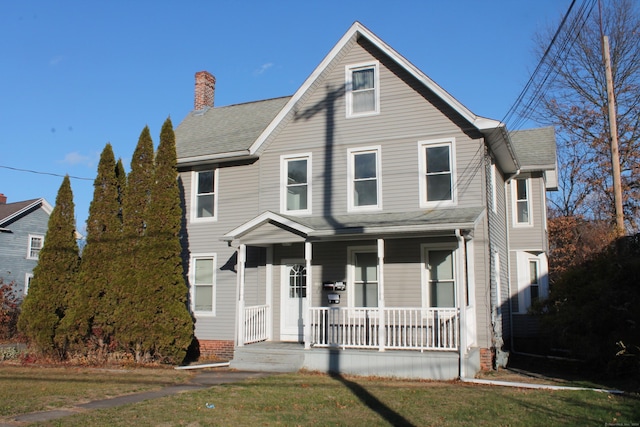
{"x": 551, "y": 58}
{"x": 45, "y": 173}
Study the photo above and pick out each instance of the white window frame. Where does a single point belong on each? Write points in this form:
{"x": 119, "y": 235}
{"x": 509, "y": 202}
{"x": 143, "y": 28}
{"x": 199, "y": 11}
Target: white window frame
{"x": 514, "y": 202}
{"x": 30, "y": 248}
{"x": 192, "y": 283}
{"x": 536, "y": 262}
{"x": 27, "y": 279}
{"x": 349, "y": 69}
{"x": 425, "y": 248}
{"x": 523, "y": 258}
{"x": 351, "y": 273}
{"x": 284, "y": 173}
{"x": 351, "y": 154}
{"x": 194, "y": 196}
{"x": 422, "y": 159}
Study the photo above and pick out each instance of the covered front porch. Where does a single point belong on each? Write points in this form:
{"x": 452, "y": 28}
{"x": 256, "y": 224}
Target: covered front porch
{"x": 344, "y": 297}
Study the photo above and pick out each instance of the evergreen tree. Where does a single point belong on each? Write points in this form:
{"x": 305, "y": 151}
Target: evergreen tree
{"x": 172, "y": 331}
{"x": 46, "y": 304}
{"x": 91, "y": 309}
{"x": 133, "y": 288}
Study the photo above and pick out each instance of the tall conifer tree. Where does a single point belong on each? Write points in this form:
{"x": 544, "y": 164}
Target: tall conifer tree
{"x": 133, "y": 287}
{"x": 46, "y": 304}
{"x": 91, "y": 313}
{"x": 173, "y": 329}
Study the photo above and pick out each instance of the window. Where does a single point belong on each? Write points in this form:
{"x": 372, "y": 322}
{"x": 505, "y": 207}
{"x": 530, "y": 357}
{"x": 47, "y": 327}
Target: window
{"x": 362, "y": 87}
{"x": 440, "y": 278}
{"x": 365, "y": 279}
{"x": 27, "y": 282}
{"x": 35, "y": 245}
{"x": 205, "y": 195}
{"x": 494, "y": 195}
{"x": 364, "y": 179}
{"x": 437, "y": 176}
{"x": 295, "y": 193}
{"x": 534, "y": 281}
{"x": 203, "y": 284}
{"x": 522, "y": 207}
{"x": 298, "y": 281}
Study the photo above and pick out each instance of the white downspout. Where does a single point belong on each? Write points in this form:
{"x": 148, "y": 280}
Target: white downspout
{"x": 462, "y": 283}
{"x": 242, "y": 256}
{"x": 508, "y": 224}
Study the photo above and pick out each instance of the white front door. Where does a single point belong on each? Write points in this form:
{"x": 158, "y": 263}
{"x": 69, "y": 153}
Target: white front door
{"x": 293, "y": 301}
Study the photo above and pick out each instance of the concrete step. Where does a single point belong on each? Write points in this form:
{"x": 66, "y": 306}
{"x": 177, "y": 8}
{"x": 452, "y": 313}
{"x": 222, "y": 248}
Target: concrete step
{"x": 257, "y": 358}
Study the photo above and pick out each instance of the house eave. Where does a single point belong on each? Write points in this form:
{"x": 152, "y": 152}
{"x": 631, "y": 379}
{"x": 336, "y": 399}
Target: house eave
{"x": 215, "y": 158}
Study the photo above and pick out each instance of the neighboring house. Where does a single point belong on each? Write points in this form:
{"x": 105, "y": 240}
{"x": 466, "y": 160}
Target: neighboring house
{"x": 370, "y": 217}
{"x": 23, "y": 226}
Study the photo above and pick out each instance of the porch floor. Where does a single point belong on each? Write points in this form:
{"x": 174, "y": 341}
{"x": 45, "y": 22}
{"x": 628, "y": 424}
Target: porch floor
{"x": 275, "y": 356}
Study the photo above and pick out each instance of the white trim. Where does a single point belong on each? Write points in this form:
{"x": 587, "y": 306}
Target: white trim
{"x": 194, "y": 196}
{"x": 425, "y": 276}
{"x": 514, "y": 202}
{"x": 348, "y": 73}
{"x": 30, "y": 237}
{"x": 523, "y": 280}
{"x": 27, "y": 278}
{"x": 262, "y": 219}
{"x": 351, "y": 153}
{"x": 192, "y": 283}
{"x": 284, "y": 161}
{"x": 422, "y": 172}
{"x": 494, "y": 186}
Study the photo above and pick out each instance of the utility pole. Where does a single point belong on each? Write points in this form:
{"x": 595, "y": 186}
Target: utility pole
{"x": 613, "y": 129}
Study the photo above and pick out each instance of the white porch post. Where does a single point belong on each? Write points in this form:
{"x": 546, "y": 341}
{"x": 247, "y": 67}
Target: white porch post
{"x": 462, "y": 306}
{"x": 307, "y": 313}
{"x": 242, "y": 257}
{"x": 382, "y": 335}
{"x": 269, "y": 291}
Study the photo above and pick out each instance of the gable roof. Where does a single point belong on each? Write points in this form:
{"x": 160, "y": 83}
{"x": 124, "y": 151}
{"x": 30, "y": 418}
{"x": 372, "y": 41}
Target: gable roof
{"x": 10, "y": 211}
{"x": 196, "y": 136}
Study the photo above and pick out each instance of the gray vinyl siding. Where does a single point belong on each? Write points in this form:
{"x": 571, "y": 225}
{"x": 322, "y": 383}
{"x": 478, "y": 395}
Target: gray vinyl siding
{"x": 14, "y": 264}
{"x": 405, "y": 119}
{"x": 529, "y": 237}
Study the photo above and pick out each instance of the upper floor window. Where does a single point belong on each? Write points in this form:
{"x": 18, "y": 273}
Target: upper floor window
{"x": 363, "y": 92}
{"x": 522, "y": 202}
{"x": 437, "y": 175}
{"x": 494, "y": 194}
{"x": 364, "y": 179}
{"x": 203, "y": 284}
{"x": 35, "y": 245}
{"x": 205, "y": 195}
{"x": 295, "y": 192}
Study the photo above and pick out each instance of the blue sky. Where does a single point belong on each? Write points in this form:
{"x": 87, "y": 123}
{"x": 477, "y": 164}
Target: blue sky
{"x": 78, "y": 74}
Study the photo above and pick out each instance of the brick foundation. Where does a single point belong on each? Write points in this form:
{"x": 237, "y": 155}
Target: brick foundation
{"x": 486, "y": 359}
{"x": 217, "y": 349}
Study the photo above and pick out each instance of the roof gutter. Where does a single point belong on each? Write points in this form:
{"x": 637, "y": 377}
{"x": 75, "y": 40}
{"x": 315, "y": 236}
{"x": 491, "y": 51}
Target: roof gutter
{"x": 232, "y": 155}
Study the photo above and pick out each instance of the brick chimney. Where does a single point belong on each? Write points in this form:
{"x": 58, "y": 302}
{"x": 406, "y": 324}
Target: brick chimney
{"x": 3, "y": 199}
{"x": 205, "y": 89}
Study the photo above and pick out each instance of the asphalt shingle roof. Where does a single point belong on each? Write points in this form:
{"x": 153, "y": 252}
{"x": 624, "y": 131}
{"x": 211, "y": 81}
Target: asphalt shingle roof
{"x": 7, "y": 210}
{"x": 226, "y": 129}
{"x": 535, "y": 147}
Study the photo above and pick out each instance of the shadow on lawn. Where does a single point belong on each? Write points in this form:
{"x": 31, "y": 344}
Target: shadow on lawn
{"x": 373, "y": 402}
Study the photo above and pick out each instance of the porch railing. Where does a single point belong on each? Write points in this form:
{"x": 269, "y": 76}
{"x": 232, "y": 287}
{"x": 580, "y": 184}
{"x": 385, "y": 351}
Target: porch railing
{"x": 404, "y": 328}
{"x": 256, "y": 323}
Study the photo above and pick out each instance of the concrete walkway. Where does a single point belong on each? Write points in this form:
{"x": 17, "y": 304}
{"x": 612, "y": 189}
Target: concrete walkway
{"x": 200, "y": 381}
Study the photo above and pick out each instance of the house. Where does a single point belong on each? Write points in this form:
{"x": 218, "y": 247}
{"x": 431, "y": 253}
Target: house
{"x": 368, "y": 224}
{"x": 23, "y": 226}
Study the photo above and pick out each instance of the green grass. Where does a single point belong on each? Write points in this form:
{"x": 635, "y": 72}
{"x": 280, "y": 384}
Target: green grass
{"x": 31, "y": 389}
{"x": 313, "y": 399}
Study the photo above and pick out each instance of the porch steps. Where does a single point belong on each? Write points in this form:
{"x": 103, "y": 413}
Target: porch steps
{"x": 265, "y": 357}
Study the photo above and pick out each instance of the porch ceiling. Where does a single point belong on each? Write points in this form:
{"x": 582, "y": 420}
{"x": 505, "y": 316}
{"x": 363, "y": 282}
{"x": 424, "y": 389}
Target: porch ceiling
{"x": 270, "y": 227}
